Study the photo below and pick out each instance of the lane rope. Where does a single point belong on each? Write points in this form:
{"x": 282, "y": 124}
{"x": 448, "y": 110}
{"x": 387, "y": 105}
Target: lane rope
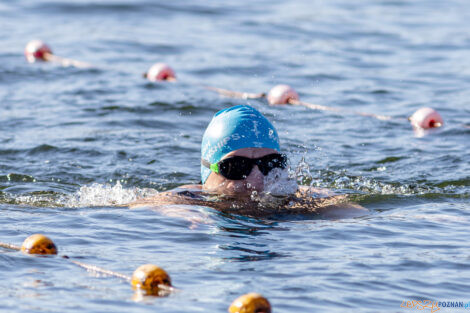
{"x": 424, "y": 118}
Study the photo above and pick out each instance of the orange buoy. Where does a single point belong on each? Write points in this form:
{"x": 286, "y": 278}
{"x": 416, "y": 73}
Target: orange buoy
{"x": 151, "y": 279}
{"x": 38, "y": 244}
{"x": 250, "y": 303}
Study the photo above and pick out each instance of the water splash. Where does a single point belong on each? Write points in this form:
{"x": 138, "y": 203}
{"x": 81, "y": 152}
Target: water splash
{"x": 344, "y": 181}
{"x": 36, "y": 199}
{"x": 302, "y": 172}
{"x": 106, "y": 195}
{"x": 341, "y": 180}
{"x": 87, "y": 196}
{"x": 279, "y": 182}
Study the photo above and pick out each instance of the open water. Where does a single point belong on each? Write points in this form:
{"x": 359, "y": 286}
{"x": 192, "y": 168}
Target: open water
{"x": 75, "y": 143}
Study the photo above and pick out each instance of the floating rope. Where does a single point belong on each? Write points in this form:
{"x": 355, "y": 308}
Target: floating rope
{"x": 424, "y": 118}
{"x": 37, "y": 50}
{"x": 148, "y": 279}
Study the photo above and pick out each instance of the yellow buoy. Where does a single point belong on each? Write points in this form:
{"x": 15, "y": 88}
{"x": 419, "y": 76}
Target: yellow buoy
{"x": 151, "y": 279}
{"x": 38, "y": 244}
{"x": 250, "y": 303}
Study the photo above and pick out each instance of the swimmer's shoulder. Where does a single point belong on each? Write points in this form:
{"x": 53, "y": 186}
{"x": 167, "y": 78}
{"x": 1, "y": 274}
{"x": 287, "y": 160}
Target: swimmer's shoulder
{"x": 315, "y": 192}
{"x": 186, "y": 194}
{"x": 326, "y": 203}
{"x": 306, "y": 200}
{"x": 194, "y": 188}
{"x": 189, "y": 191}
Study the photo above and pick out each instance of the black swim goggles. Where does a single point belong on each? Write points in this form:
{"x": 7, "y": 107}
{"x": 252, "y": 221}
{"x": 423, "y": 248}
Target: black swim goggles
{"x": 239, "y": 167}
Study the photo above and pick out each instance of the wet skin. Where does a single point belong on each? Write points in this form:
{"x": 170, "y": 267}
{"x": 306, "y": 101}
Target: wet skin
{"x": 234, "y": 196}
{"x": 217, "y": 183}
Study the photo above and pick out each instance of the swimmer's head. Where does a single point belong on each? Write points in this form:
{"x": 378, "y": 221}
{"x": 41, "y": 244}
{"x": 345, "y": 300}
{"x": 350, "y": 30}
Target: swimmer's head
{"x": 237, "y": 131}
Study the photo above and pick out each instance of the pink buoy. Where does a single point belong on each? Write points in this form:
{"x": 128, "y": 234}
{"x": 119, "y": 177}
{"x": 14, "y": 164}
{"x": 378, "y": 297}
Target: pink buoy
{"x": 159, "y": 72}
{"x": 281, "y": 94}
{"x": 36, "y": 50}
{"x": 426, "y": 118}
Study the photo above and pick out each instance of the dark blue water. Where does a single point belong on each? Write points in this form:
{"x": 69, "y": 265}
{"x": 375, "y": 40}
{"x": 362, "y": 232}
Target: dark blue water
{"x": 74, "y": 143}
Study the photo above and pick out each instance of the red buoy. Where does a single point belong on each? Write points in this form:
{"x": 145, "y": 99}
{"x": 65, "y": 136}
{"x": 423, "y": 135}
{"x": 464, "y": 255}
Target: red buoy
{"x": 281, "y": 94}
{"x": 159, "y": 72}
{"x": 36, "y": 50}
{"x": 426, "y": 118}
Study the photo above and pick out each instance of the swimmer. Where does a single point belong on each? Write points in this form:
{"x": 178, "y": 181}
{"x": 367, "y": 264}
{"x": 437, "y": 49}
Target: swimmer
{"x": 243, "y": 171}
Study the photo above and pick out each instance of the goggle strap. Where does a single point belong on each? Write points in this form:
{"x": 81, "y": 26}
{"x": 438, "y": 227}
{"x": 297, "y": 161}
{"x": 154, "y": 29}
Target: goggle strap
{"x": 213, "y": 167}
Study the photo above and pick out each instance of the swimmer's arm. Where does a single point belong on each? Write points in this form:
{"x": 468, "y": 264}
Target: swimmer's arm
{"x": 174, "y": 196}
{"x": 172, "y": 204}
{"x": 340, "y": 207}
{"x": 331, "y": 205}
{"x": 162, "y": 198}
{"x": 197, "y": 187}
{"x": 320, "y": 192}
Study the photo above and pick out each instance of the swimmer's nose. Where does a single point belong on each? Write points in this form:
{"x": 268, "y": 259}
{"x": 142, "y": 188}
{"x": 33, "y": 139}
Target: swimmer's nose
{"x": 255, "y": 180}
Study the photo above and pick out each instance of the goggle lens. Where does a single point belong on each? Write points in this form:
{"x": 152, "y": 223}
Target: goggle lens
{"x": 238, "y": 167}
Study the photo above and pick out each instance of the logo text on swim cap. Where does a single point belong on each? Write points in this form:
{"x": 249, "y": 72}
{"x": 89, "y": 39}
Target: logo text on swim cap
{"x": 255, "y": 128}
{"x": 219, "y": 145}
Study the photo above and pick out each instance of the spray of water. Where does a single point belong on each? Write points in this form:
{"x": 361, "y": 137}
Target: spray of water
{"x": 279, "y": 182}
{"x": 343, "y": 181}
{"x": 87, "y": 196}
{"x": 106, "y": 195}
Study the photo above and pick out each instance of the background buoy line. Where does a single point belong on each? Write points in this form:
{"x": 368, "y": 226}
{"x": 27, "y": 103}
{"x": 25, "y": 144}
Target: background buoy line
{"x": 424, "y": 118}
{"x": 36, "y": 50}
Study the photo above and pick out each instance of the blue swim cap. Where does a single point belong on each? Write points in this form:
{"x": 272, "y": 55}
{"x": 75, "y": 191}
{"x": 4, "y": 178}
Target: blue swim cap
{"x": 235, "y": 128}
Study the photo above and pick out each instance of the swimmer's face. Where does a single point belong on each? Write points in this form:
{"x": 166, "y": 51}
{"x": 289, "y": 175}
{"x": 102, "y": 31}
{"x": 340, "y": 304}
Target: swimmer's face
{"x": 254, "y": 182}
